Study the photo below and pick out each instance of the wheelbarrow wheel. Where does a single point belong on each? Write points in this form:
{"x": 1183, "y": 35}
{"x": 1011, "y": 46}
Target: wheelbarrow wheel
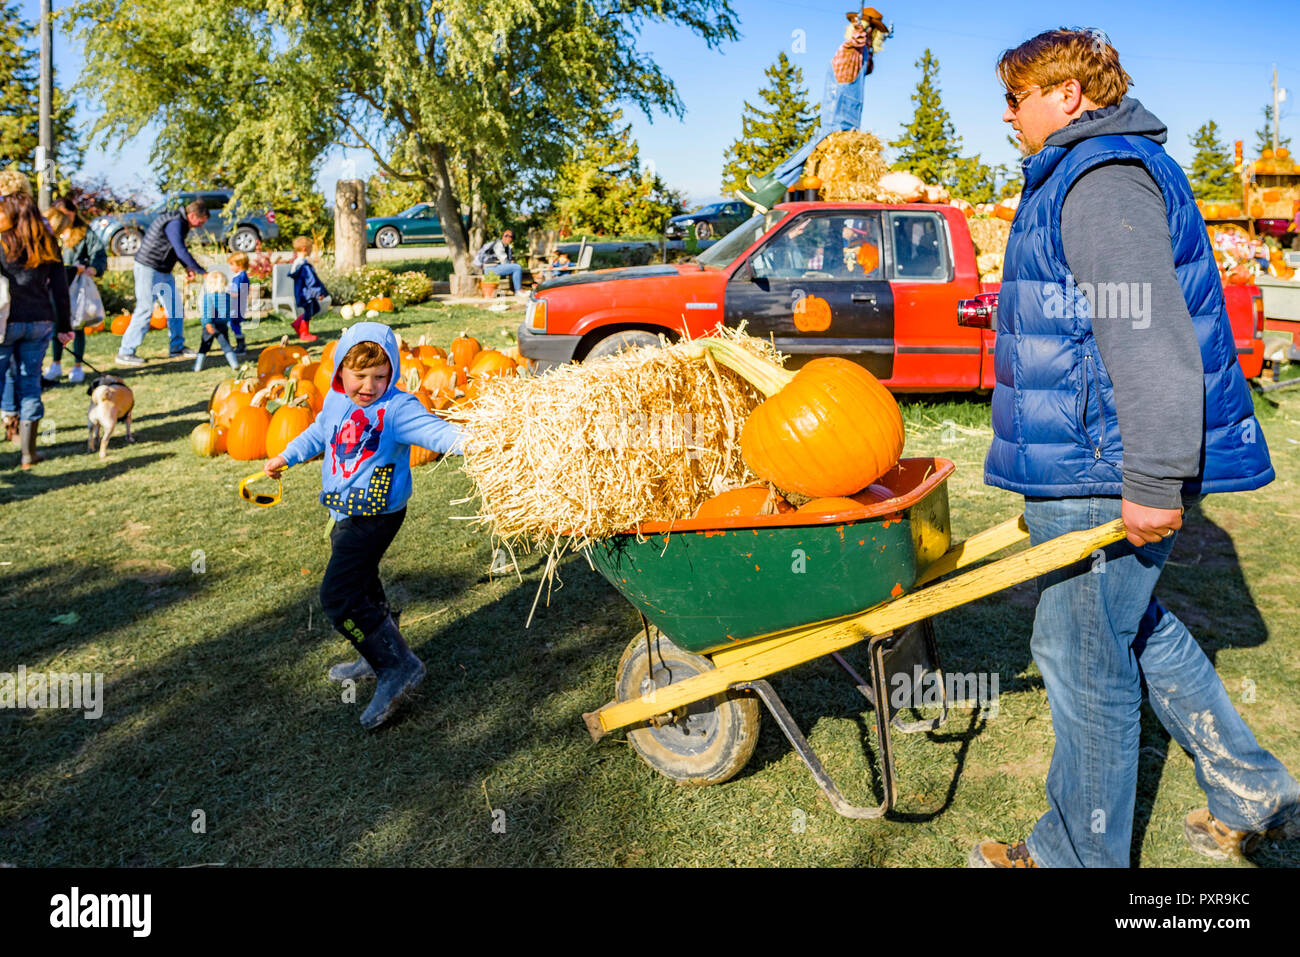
{"x": 706, "y": 742}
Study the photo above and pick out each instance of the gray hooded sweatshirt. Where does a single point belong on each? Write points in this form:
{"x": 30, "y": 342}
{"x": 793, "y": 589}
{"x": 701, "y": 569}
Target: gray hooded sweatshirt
{"x": 1115, "y": 229}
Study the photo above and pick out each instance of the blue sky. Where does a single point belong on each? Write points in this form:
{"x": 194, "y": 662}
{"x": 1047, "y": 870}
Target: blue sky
{"x": 1191, "y": 61}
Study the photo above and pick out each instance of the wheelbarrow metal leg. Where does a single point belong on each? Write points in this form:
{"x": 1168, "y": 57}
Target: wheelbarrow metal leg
{"x": 776, "y": 707}
{"x": 932, "y": 665}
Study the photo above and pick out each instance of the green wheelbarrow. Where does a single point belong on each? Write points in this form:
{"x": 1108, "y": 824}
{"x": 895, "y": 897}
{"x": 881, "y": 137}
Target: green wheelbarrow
{"x": 726, "y": 604}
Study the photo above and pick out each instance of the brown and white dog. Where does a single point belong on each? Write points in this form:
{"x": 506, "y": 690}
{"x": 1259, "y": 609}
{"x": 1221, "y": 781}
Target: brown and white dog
{"x": 111, "y": 400}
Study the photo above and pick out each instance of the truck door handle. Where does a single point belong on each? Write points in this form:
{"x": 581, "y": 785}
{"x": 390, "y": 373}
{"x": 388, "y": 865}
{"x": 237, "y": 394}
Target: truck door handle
{"x": 863, "y": 297}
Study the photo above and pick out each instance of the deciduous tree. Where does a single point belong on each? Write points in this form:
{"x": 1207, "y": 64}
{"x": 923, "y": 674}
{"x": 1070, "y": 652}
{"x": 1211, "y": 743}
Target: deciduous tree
{"x": 475, "y": 97}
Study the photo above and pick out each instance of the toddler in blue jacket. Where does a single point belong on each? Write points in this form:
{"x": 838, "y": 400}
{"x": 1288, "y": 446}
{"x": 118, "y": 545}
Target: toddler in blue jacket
{"x": 217, "y": 312}
{"x": 366, "y": 429}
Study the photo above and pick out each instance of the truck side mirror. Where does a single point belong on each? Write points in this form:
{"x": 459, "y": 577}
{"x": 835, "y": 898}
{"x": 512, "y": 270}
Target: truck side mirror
{"x": 978, "y": 313}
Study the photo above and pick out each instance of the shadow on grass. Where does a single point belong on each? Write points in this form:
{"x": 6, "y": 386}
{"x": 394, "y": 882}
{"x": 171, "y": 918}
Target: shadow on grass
{"x": 17, "y": 485}
{"x": 240, "y": 723}
{"x": 1204, "y": 585}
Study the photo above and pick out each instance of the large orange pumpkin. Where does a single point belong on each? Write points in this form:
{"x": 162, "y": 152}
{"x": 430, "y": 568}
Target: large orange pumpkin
{"x": 463, "y": 350}
{"x": 278, "y": 359}
{"x": 744, "y": 503}
{"x": 233, "y": 404}
{"x": 120, "y": 322}
{"x": 304, "y": 371}
{"x": 307, "y": 389}
{"x": 246, "y": 439}
{"x": 287, "y": 424}
{"x": 328, "y": 354}
{"x": 410, "y": 367}
{"x": 489, "y": 362}
{"x": 324, "y": 379}
{"x": 441, "y": 378}
{"x": 812, "y": 314}
{"x": 829, "y": 429}
{"x": 223, "y": 389}
{"x": 427, "y": 353}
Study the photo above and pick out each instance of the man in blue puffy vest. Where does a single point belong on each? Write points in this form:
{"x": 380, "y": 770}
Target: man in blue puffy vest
{"x": 1118, "y": 396}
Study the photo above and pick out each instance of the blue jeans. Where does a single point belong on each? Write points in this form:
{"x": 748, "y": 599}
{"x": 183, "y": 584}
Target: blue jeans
{"x": 841, "y": 110}
{"x": 513, "y": 270}
{"x": 1098, "y": 636}
{"x": 153, "y": 286}
{"x": 24, "y": 348}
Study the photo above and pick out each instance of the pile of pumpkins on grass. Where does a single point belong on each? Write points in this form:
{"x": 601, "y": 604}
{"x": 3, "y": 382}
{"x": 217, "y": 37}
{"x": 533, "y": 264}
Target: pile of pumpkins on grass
{"x": 117, "y": 325}
{"x": 257, "y": 413}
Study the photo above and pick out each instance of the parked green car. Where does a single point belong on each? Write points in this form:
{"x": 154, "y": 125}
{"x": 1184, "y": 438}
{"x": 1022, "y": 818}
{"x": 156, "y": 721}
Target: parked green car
{"x": 419, "y": 224}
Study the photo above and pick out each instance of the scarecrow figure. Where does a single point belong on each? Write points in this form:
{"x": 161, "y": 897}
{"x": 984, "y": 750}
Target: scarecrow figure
{"x": 841, "y": 107}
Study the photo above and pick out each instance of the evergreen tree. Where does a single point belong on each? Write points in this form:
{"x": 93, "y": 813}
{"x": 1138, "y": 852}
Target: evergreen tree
{"x": 603, "y": 188}
{"x": 769, "y": 135}
{"x": 973, "y": 180}
{"x": 929, "y": 146}
{"x": 1211, "y": 172}
{"x": 20, "y": 98}
{"x": 1264, "y": 135}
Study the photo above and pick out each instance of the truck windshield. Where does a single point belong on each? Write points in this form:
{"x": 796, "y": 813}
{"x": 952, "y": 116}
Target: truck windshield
{"x": 724, "y": 252}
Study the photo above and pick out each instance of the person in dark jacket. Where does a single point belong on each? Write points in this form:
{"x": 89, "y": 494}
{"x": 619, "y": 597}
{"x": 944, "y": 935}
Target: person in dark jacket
{"x": 38, "y": 308}
{"x": 161, "y": 249}
{"x": 83, "y": 255}
{"x": 1118, "y": 396}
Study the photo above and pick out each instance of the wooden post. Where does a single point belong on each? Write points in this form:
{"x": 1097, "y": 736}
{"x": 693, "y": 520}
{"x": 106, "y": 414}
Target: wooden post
{"x": 349, "y": 225}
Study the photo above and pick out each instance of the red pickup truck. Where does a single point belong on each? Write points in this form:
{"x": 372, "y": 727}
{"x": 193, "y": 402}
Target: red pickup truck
{"x": 912, "y": 310}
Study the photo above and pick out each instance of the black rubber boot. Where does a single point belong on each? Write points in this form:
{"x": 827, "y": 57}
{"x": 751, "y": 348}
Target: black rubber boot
{"x": 398, "y": 672}
{"x": 356, "y": 670}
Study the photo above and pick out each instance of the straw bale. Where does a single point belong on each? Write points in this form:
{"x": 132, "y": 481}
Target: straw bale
{"x": 989, "y": 234}
{"x": 591, "y": 450}
{"x": 849, "y": 164}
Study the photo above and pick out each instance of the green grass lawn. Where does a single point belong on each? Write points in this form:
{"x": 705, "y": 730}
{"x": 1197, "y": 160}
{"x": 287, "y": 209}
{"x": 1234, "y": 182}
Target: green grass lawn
{"x": 202, "y": 614}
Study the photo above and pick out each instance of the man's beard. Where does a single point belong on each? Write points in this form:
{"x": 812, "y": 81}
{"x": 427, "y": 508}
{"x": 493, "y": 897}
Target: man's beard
{"x": 1028, "y": 147}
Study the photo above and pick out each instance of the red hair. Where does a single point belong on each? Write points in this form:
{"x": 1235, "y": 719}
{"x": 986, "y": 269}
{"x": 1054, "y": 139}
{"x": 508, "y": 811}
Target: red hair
{"x": 26, "y": 238}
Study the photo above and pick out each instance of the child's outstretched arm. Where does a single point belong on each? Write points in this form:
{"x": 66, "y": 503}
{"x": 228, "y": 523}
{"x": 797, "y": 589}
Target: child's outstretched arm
{"x": 416, "y": 425}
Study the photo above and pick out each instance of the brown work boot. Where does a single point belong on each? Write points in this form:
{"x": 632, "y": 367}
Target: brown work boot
{"x": 1213, "y": 838}
{"x": 993, "y": 854}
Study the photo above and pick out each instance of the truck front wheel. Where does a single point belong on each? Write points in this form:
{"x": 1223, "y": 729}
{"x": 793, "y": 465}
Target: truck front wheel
{"x": 627, "y": 339}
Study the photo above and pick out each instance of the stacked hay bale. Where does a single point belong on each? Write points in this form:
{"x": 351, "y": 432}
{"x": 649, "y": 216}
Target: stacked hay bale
{"x": 591, "y": 450}
{"x": 849, "y": 165}
{"x": 990, "y": 237}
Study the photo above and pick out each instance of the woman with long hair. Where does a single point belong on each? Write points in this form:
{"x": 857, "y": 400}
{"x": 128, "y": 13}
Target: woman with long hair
{"x": 83, "y": 254}
{"x": 38, "y": 307}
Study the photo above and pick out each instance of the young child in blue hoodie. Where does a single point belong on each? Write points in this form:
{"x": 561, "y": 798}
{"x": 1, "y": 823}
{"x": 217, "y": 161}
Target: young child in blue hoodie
{"x": 308, "y": 290}
{"x": 238, "y": 290}
{"x": 216, "y": 311}
{"x": 366, "y": 429}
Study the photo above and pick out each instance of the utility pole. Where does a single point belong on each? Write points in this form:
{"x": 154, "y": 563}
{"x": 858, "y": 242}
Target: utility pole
{"x": 45, "y": 151}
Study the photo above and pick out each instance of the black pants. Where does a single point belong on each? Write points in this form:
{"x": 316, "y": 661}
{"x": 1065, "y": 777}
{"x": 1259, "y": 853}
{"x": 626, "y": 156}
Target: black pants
{"x": 351, "y": 593}
{"x": 78, "y": 347}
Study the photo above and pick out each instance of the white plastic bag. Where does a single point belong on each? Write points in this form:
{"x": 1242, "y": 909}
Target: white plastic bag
{"x": 87, "y": 307}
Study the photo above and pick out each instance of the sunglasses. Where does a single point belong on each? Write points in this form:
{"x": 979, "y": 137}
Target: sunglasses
{"x": 1015, "y": 99}
{"x": 261, "y": 499}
